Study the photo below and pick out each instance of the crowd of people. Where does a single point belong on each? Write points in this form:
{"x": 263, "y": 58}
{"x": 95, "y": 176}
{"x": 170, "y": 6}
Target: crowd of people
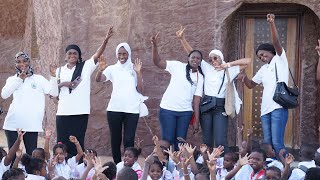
{"x": 201, "y": 94}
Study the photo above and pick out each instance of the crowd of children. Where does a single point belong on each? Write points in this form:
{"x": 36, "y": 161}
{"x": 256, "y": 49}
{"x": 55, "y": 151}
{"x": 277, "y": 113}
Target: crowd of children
{"x": 253, "y": 161}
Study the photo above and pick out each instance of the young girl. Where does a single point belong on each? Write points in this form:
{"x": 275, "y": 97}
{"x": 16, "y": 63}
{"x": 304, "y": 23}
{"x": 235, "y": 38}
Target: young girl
{"x": 130, "y": 158}
{"x": 229, "y": 160}
{"x": 36, "y": 168}
{"x": 62, "y": 167}
{"x": 80, "y": 169}
{"x": 155, "y": 171}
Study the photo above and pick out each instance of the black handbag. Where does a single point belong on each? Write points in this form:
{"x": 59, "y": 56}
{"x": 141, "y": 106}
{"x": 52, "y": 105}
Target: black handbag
{"x": 209, "y": 103}
{"x": 286, "y": 96}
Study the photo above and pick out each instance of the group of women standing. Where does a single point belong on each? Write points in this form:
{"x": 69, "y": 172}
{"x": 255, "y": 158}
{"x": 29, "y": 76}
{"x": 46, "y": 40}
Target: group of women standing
{"x": 192, "y": 85}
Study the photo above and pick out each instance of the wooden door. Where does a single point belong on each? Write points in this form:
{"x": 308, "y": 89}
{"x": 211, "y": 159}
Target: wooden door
{"x": 254, "y": 31}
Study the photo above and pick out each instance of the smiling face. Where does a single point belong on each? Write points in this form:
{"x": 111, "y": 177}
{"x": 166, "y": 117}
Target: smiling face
{"x": 155, "y": 172}
{"x": 228, "y": 162}
{"x": 22, "y": 63}
{"x": 265, "y": 56}
{"x": 215, "y": 60}
{"x": 61, "y": 155}
{"x": 129, "y": 158}
{"x": 256, "y": 161}
{"x": 72, "y": 56}
{"x": 122, "y": 55}
{"x": 194, "y": 60}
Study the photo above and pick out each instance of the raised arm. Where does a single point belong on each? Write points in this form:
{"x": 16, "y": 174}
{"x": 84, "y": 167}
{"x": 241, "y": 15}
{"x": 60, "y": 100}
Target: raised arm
{"x": 103, "y": 45}
{"x": 184, "y": 42}
{"x": 75, "y": 141}
{"x": 274, "y": 34}
{"x": 102, "y": 66}
{"x": 318, "y": 67}
{"x": 48, "y": 132}
{"x": 155, "y": 55}
{"x": 14, "y": 148}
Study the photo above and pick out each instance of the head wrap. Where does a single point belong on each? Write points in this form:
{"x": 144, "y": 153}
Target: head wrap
{"x": 22, "y": 54}
{"x": 75, "y": 47}
{"x": 219, "y": 53}
{"x": 128, "y": 64}
{"x": 267, "y": 47}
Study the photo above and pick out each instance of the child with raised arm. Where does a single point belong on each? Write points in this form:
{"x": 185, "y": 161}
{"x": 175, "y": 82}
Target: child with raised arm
{"x": 79, "y": 170}
{"x": 63, "y": 167}
{"x": 6, "y": 159}
{"x": 130, "y": 159}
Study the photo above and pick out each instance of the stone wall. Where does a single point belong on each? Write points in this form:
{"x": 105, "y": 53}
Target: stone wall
{"x": 46, "y": 27}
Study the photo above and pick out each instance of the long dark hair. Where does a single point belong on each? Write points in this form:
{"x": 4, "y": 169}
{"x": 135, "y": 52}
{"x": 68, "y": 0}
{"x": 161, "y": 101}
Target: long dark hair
{"x": 188, "y": 67}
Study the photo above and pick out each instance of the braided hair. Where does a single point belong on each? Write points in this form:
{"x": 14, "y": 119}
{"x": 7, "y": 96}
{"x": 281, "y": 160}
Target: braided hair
{"x": 188, "y": 67}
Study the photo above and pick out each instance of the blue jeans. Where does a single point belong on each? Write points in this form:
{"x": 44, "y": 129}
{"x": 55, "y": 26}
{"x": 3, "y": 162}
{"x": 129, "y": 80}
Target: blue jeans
{"x": 273, "y": 126}
{"x": 174, "y": 124}
{"x": 214, "y": 127}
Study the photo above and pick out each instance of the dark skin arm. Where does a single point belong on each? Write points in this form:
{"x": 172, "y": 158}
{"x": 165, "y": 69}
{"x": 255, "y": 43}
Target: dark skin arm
{"x": 184, "y": 42}
{"x": 103, "y": 45}
{"x": 196, "y": 110}
{"x": 318, "y": 67}
{"x": 274, "y": 34}
{"x": 249, "y": 83}
{"x": 14, "y": 148}
{"x": 155, "y": 55}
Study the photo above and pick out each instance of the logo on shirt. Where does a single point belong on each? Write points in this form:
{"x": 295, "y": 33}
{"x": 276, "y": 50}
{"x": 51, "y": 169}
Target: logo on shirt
{"x": 34, "y": 85}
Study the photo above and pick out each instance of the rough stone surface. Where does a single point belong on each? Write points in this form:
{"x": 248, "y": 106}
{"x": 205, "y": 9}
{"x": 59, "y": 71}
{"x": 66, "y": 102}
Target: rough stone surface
{"x": 45, "y": 27}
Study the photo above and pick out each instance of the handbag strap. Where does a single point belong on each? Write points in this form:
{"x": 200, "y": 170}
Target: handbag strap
{"x": 224, "y": 74}
{"x": 294, "y": 83}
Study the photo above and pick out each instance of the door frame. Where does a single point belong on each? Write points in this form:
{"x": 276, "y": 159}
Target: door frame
{"x": 295, "y": 141}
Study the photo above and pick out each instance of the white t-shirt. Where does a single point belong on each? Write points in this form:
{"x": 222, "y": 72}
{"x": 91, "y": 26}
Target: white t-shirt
{"x": 267, "y": 76}
{"x": 34, "y": 177}
{"x": 78, "y": 101}
{"x": 244, "y": 172}
{"x": 180, "y": 92}
{"x": 124, "y": 96}
{"x": 66, "y": 169}
{"x": 166, "y": 175}
{"x": 27, "y": 108}
{"x": 298, "y": 174}
{"x": 136, "y": 167}
{"x": 3, "y": 168}
{"x": 79, "y": 170}
{"x": 213, "y": 79}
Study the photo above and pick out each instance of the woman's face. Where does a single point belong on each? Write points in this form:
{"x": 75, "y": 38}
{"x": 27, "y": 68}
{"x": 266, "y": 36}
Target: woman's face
{"x": 265, "y": 56}
{"x": 72, "y": 56}
{"x": 194, "y": 60}
{"x": 215, "y": 60}
{"x": 155, "y": 172}
{"x": 22, "y": 64}
{"x": 122, "y": 55}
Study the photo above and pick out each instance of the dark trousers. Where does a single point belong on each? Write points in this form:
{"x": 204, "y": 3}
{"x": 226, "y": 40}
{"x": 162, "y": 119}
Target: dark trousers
{"x": 214, "y": 127}
{"x": 75, "y": 125}
{"x": 30, "y": 140}
{"x": 116, "y": 120}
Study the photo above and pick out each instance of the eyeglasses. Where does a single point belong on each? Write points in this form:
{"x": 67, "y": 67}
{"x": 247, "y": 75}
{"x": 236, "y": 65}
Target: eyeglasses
{"x": 214, "y": 58}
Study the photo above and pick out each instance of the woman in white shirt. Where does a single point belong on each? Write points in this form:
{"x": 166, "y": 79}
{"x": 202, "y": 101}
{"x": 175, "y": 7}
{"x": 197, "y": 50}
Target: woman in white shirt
{"x": 214, "y": 122}
{"x": 28, "y": 105}
{"x": 182, "y": 96}
{"x": 273, "y": 116}
{"x": 74, "y": 98}
{"x": 123, "y": 107}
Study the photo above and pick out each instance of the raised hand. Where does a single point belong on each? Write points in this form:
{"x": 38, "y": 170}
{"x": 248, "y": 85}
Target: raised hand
{"x": 186, "y": 161}
{"x": 138, "y": 143}
{"x": 90, "y": 157}
{"x": 203, "y": 148}
{"x": 216, "y": 152}
{"x": 270, "y": 18}
{"x": 48, "y": 132}
{"x": 244, "y": 160}
{"x": 20, "y": 134}
{"x": 250, "y": 132}
{"x": 73, "y": 139}
{"x": 155, "y": 140}
{"x": 180, "y": 32}
{"x": 98, "y": 165}
{"x": 154, "y": 39}
{"x": 318, "y": 47}
{"x": 19, "y": 152}
{"x": 189, "y": 149}
{"x": 137, "y": 65}
{"x": 53, "y": 68}
{"x": 102, "y": 63}
{"x": 174, "y": 155}
{"x": 289, "y": 158}
{"x": 212, "y": 165}
{"x": 52, "y": 163}
{"x": 110, "y": 33}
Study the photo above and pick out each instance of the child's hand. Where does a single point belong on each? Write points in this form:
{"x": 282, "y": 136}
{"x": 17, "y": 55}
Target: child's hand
{"x": 203, "y": 148}
{"x": 180, "y": 32}
{"x": 48, "y": 132}
{"x": 155, "y": 139}
{"x": 20, "y": 134}
{"x": 186, "y": 162}
{"x": 138, "y": 143}
{"x": 216, "y": 152}
{"x": 212, "y": 165}
{"x": 154, "y": 39}
{"x": 90, "y": 156}
{"x": 189, "y": 149}
{"x": 98, "y": 165}
{"x": 74, "y": 140}
{"x": 52, "y": 163}
{"x": 181, "y": 147}
{"x": 244, "y": 160}
{"x": 289, "y": 158}
{"x": 150, "y": 159}
{"x": 19, "y": 152}
{"x": 281, "y": 153}
{"x": 174, "y": 155}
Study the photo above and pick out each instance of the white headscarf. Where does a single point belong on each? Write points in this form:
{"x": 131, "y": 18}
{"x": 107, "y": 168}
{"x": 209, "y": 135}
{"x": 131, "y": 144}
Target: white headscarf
{"x": 238, "y": 101}
{"x": 128, "y": 64}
